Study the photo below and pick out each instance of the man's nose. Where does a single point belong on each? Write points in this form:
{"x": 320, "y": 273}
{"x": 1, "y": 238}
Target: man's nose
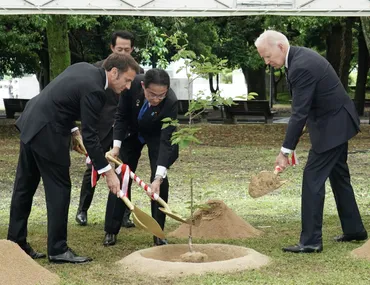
{"x": 128, "y": 85}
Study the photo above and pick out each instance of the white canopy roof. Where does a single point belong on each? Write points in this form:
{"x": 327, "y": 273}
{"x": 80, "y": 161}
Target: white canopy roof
{"x": 188, "y": 7}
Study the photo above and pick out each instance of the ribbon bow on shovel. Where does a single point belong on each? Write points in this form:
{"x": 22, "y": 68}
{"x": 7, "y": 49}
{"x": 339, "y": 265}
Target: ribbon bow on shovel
{"x": 154, "y": 196}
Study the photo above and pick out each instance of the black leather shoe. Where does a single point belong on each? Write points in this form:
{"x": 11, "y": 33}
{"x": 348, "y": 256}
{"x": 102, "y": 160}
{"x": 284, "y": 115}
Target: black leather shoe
{"x": 159, "y": 241}
{"x": 81, "y": 218}
{"x": 109, "y": 239}
{"x": 68, "y": 256}
{"x": 351, "y": 237}
{"x": 31, "y": 252}
{"x": 303, "y": 249}
{"x": 127, "y": 223}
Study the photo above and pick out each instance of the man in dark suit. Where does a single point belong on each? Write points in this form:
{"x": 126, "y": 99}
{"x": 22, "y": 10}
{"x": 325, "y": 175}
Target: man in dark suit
{"x": 139, "y": 122}
{"x": 46, "y": 127}
{"x": 320, "y": 101}
{"x": 122, "y": 43}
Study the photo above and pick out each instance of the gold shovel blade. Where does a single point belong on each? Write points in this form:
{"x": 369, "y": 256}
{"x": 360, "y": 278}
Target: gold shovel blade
{"x": 147, "y": 223}
{"x": 137, "y": 223}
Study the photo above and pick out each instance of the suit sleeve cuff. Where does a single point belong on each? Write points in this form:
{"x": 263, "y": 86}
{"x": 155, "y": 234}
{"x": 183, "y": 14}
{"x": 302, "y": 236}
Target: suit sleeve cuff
{"x": 74, "y": 129}
{"x": 105, "y": 169}
{"x": 286, "y": 150}
{"x": 117, "y": 143}
{"x": 162, "y": 171}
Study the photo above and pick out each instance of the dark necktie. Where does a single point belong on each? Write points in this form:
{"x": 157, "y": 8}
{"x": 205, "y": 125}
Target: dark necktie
{"x": 287, "y": 81}
{"x": 143, "y": 109}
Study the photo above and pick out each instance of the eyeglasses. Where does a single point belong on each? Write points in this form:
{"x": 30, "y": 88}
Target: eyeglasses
{"x": 156, "y": 96}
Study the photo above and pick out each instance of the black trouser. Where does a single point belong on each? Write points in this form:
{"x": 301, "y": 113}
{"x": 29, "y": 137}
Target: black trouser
{"x": 130, "y": 153}
{"x": 331, "y": 164}
{"x": 87, "y": 191}
{"x": 57, "y": 186}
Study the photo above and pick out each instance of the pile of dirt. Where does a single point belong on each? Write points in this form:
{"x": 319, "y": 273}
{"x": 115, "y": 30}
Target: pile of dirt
{"x": 217, "y": 222}
{"x": 16, "y": 267}
{"x": 263, "y": 183}
{"x": 363, "y": 251}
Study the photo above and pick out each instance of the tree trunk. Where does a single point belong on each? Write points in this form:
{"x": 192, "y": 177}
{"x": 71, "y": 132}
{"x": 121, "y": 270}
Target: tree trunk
{"x": 362, "y": 69}
{"x": 365, "y": 21}
{"x": 339, "y": 49}
{"x": 211, "y": 87}
{"x": 275, "y": 85}
{"x": 346, "y": 52}
{"x": 44, "y": 75}
{"x": 58, "y": 43}
{"x": 256, "y": 81}
{"x": 333, "y": 41}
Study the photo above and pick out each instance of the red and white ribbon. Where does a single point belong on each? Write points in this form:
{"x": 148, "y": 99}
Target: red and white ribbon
{"x": 124, "y": 170}
{"x": 94, "y": 173}
{"x": 120, "y": 169}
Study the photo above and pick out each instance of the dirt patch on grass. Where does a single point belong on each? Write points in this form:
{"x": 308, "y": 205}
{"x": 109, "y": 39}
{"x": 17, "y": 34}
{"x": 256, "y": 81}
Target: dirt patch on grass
{"x": 18, "y": 268}
{"x": 363, "y": 251}
{"x": 217, "y": 222}
{"x": 165, "y": 261}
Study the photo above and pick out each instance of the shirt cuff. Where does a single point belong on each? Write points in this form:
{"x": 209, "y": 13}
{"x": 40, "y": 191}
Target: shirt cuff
{"x": 74, "y": 129}
{"x": 117, "y": 143}
{"x": 286, "y": 150}
{"x": 105, "y": 169}
{"x": 162, "y": 171}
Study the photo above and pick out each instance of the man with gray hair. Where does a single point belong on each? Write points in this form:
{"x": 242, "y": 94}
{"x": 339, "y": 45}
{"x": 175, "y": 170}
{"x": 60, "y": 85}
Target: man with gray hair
{"x": 319, "y": 101}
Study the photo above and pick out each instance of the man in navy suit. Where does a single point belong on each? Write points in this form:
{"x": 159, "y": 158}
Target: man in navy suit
{"x": 46, "y": 127}
{"x": 319, "y": 101}
{"x": 139, "y": 123}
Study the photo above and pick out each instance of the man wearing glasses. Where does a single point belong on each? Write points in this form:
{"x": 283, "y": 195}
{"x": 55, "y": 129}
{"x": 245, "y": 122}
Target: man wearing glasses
{"x": 139, "y": 122}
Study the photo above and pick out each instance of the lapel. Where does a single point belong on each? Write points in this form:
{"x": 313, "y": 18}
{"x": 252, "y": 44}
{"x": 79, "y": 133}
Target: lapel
{"x": 291, "y": 54}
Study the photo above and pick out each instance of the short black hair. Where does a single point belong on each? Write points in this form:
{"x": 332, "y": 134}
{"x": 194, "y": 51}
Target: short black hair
{"x": 122, "y": 62}
{"x": 124, "y": 35}
{"x": 156, "y": 76}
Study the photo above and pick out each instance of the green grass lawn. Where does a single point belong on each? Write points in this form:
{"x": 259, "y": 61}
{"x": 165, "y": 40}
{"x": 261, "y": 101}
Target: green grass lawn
{"x": 229, "y": 155}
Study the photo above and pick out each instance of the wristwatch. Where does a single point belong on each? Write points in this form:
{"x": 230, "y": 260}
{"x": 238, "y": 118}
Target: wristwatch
{"x": 159, "y": 177}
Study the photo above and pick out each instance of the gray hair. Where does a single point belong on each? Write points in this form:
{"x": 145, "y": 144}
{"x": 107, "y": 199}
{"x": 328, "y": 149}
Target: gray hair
{"x": 272, "y": 38}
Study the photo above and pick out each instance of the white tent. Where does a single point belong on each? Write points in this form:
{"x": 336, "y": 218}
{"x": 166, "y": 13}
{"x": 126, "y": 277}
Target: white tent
{"x": 188, "y": 7}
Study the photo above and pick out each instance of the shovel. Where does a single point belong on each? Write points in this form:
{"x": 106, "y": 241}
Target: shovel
{"x": 265, "y": 182}
{"x": 143, "y": 220}
{"x": 154, "y": 196}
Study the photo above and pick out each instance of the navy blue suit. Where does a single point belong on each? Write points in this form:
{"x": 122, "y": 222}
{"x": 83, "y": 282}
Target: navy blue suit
{"x": 320, "y": 101}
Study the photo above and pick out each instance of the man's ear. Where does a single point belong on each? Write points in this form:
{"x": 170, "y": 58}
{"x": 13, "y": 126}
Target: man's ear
{"x": 142, "y": 84}
{"x": 112, "y": 48}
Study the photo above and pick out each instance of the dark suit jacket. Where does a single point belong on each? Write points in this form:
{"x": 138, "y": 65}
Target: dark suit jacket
{"x": 318, "y": 98}
{"x": 106, "y": 120}
{"x": 46, "y": 123}
{"x": 150, "y": 126}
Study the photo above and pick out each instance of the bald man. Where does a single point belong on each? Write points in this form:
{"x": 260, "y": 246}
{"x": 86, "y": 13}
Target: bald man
{"x": 319, "y": 101}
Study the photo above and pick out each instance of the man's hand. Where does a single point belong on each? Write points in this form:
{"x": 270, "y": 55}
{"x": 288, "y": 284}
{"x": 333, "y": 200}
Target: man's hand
{"x": 156, "y": 185}
{"x": 77, "y": 144}
{"x": 112, "y": 182}
{"x": 282, "y": 161}
{"x": 113, "y": 152}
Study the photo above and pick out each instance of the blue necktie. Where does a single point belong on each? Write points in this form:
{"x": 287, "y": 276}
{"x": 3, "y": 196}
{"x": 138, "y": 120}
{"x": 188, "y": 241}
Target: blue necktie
{"x": 140, "y": 116}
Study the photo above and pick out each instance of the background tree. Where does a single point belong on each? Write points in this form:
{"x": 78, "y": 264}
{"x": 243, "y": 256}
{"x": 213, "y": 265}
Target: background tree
{"x": 58, "y": 44}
